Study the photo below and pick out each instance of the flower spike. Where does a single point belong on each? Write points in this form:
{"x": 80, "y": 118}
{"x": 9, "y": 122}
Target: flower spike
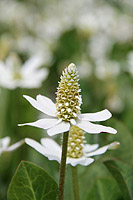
{"x": 66, "y": 112}
{"x": 75, "y": 142}
{"x": 68, "y": 100}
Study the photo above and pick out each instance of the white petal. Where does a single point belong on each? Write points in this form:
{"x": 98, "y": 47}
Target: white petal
{"x": 114, "y": 145}
{"x": 33, "y": 63}
{"x": 103, "y": 149}
{"x": 4, "y": 142}
{"x": 46, "y": 108}
{"x": 50, "y": 144}
{"x": 73, "y": 122}
{"x": 90, "y": 147}
{"x": 33, "y": 79}
{"x": 48, "y": 105}
{"x": 10, "y": 62}
{"x": 42, "y": 123}
{"x": 99, "y": 151}
{"x": 2, "y": 68}
{"x": 54, "y": 157}
{"x": 50, "y": 154}
{"x": 98, "y": 116}
{"x": 95, "y": 128}
{"x": 36, "y": 145}
{"x": 15, "y": 146}
{"x": 60, "y": 128}
{"x": 79, "y": 161}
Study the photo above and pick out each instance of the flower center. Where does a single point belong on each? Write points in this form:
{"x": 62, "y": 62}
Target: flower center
{"x": 75, "y": 142}
{"x": 15, "y": 63}
{"x": 68, "y": 100}
{"x": 17, "y": 76}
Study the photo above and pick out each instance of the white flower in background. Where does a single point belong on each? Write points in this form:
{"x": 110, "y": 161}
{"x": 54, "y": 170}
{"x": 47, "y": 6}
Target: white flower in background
{"x": 66, "y": 111}
{"x": 106, "y": 69}
{"x": 84, "y": 68}
{"x": 35, "y": 46}
{"x": 123, "y": 29}
{"x": 4, "y": 145}
{"x": 99, "y": 46}
{"x": 115, "y": 103}
{"x": 87, "y": 24}
{"x": 77, "y": 151}
{"x": 90, "y": 18}
{"x": 13, "y": 74}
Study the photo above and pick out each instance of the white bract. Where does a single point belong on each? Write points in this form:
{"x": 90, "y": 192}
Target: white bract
{"x": 66, "y": 111}
{"x": 13, "y": 74}
{"x": 52, "y": 151}
{"x": 4, "y": 145}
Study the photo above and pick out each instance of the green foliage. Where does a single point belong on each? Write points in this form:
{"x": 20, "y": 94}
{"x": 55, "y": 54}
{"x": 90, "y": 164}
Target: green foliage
{"x": 31, "y": 182}
{"x": 124, "y": 136}
{"x": 22, "y": 30}
{"x": 97, "y": 171}
{"x": 103, "y": 189}
{"x": 123, "y": 174}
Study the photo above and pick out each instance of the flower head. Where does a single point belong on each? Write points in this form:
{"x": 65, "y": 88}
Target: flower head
{"x": 77, "y": 151}
{"x": 66, "y": 111}
{"x": 13, "y": 74}
{"x": 4, "y": 145}
{"x": 75, "y": 142}
{"x": 68, "y": 100}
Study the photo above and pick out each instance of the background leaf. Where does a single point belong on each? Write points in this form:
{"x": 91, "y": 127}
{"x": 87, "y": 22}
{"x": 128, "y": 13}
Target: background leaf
{"x": 124, "y": 136}
{"x": 31, "y": 182}
{"x": 103, "y": 189}
{"x": 123, "y": 174}
{"x": 89, "y": 174}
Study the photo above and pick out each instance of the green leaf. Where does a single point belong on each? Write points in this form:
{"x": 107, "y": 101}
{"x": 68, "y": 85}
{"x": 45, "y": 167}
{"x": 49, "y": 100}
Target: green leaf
{"x": 104, "y": 189}
{"x": 31, "y": 182}
{"x": 124, "y": 136}
{"x": 123, "y": 174}
{"x": 89, "y": 174}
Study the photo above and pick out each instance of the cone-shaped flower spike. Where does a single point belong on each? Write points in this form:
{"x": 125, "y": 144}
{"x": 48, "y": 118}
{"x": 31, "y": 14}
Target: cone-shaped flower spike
{"x": 66, "y": 111}
{"x": 68, "y": 98}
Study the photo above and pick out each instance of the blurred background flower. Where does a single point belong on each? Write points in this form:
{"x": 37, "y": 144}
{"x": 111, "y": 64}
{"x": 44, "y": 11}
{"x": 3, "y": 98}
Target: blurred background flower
{"x": 97, "y": 35}
{"x": 4, "y": 145}
{"x": 13, "y": 74}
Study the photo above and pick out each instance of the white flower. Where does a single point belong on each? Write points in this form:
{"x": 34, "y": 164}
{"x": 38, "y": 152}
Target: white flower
{"x": 115, "y": 103}
{"x": 66, "y": 111}
{"x": 52, "y": 151}
{"x": 4, "y": 145}
{"x": 55, "y": 126}
{"x": 35, "y": 46}
{"x": 106, "y": 69}
{"x": 99, "y": 45}
{"x": 13, "y": 74}
{"x": 85, "y": 68}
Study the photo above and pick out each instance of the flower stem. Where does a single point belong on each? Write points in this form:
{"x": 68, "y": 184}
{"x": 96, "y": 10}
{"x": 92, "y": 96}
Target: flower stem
{"x": 75, "y": 183}
{"x": 63, "y": 166}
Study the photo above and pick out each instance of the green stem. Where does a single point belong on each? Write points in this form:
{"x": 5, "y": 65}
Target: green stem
{"x": 75, "y": 183}
{"x": 63, "y": 166}
{"x": 3, "y": 110}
